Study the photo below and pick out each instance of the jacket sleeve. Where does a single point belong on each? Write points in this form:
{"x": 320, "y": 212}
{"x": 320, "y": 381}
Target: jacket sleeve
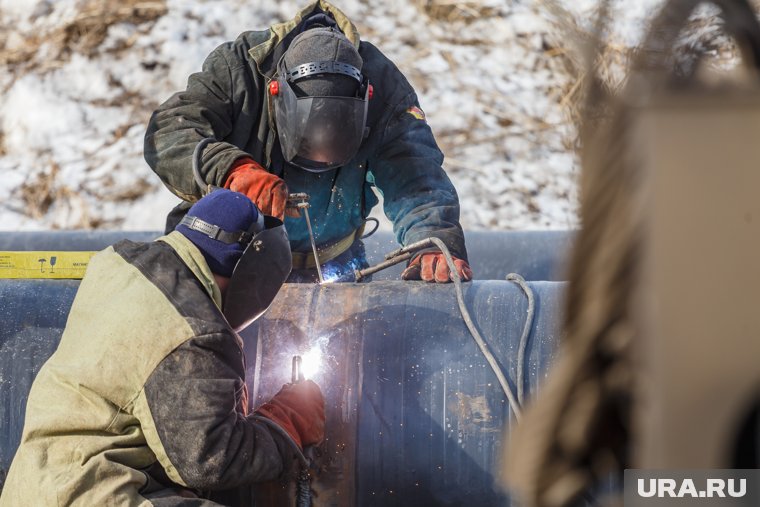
{"x": 191, "y": 411}
{"x": 207, "y": 108}
{"x": 418, "y": 196}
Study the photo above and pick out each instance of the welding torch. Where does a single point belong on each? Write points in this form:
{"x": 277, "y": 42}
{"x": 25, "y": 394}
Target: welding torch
{"x": 300, "y": 201}
{"x": 391, "y": 259}
{"x": 303, "y": 482}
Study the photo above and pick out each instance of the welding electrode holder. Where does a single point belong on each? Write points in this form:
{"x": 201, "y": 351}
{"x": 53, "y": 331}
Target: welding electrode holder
{"x": 300, "y": 201}
{"x": 391, "y": 259}
{"x": 297, "y": 200}
{"x": 297, "y": 371}
{"x": 303, "y": 457}
{"x": 303, "y": 481}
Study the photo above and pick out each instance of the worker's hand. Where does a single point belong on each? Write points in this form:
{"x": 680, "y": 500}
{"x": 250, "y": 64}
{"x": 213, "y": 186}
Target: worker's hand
{"x": 299, "y": 409}
{"x": 432, "y": 267}
{"x": 267, "y": 191}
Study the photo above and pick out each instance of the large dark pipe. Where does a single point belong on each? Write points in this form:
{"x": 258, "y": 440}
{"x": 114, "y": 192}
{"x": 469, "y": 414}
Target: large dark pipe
{"x": 536, "y": 255}
{"x": 415, "y": 416}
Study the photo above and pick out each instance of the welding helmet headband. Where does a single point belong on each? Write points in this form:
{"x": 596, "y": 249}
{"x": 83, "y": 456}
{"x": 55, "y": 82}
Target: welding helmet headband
{"x": 258, "y": 275}
{"x": 319, "y": 133}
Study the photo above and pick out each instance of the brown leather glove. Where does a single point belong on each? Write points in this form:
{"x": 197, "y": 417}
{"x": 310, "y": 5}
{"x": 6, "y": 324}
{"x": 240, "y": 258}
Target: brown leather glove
{"x": 267, "y": 191}
{"x": 299, "y": 409}
{"x": 432, "y": 267}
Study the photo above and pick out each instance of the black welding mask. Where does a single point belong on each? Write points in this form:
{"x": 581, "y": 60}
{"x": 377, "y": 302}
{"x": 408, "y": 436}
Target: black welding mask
{"x": 319, "y": 133}
{"x": 258, "y": 275}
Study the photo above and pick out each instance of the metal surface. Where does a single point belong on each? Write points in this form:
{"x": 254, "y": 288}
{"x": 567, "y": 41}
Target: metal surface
{"x": 33, "y": 314}
{"x": 414, "y": 414}
{"x": 77, "y": 240}
{"x": 536, "y": 255}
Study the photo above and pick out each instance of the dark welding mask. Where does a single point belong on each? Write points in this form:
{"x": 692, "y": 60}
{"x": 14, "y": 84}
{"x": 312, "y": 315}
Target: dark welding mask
{"x": 259, "y": 272}
{"x": 319, "y": 133}
{"x": 258, "y": 275}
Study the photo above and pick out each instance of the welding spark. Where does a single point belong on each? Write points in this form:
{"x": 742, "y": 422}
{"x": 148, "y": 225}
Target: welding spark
{"x": 330, "y": 278}
{"x": 342, "y": 271}
{"x": 312, "y": 361}
{"x": 330, "y": 273}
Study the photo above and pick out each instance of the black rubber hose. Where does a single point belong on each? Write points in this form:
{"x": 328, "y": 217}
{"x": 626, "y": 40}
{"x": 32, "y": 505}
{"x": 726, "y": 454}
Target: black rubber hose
{"x": 481, "y": 343}
{"x": 520, "y": 377}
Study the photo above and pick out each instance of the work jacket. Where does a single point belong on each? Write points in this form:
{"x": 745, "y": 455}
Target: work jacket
{"x": 227, "y": 101}
{"x": 145, "y": 391}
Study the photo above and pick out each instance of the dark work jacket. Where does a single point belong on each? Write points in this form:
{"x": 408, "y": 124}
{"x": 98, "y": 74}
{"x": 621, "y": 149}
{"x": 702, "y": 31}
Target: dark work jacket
{"x": 145, "y": 391}
{"x": 227, "y": 101}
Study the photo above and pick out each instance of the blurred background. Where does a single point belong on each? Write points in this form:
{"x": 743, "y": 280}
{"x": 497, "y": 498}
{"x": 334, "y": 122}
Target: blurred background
{"x": 500, "y": 81}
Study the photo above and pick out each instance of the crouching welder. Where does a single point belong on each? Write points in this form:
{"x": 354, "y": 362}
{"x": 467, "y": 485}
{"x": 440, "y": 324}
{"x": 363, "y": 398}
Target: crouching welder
{"x": 306, "y": 107}
{"x": 144, "y": 402}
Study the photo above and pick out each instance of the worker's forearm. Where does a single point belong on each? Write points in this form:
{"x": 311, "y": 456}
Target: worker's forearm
{"x": 193, "y": 409}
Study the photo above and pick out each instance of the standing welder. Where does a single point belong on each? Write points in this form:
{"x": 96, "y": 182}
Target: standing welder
{"x": 144, "y": 402}
{"x": 305, "y": 106}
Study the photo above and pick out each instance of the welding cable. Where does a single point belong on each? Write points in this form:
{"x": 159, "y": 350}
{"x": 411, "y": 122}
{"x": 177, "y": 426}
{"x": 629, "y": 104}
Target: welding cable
{"x": 482, "y": 345}
{"x": 520, "y": 378}
{"x": 303, "y": 488}
{"x": 303, "y": 481}
{"x": 373, "y": 231}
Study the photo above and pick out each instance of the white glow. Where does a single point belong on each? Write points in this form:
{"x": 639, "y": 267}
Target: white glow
{"x": 329, "y": 276}
{"x": 311, "y": 362}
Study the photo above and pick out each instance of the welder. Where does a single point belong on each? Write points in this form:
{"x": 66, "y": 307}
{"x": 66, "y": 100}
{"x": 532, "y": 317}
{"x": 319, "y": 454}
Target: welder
{"x": 145, "y": 402}
{"x": 307, "y": 107}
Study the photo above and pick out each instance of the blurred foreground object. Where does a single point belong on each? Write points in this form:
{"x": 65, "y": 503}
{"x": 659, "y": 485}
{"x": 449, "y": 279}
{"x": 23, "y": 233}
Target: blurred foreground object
{"x": 657, "y": 368}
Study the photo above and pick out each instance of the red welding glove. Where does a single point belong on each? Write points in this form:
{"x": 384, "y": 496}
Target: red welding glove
{"x": 432, "y": 267}
{"x": 299, "y": 409}
{"x": 267, "y": 191}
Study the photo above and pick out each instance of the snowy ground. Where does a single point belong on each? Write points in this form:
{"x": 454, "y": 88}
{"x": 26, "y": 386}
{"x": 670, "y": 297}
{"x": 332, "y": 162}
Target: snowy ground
{"x": 81, "y": 77}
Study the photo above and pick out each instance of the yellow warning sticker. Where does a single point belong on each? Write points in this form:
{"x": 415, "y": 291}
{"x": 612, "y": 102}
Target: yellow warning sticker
{"x": 44, "y": 264}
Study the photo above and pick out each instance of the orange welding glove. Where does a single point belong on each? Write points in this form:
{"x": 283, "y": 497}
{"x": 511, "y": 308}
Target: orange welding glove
{"x": 269, "y": 192}
{"x": 299, "y": 409}
{"x": 432, "y": 267}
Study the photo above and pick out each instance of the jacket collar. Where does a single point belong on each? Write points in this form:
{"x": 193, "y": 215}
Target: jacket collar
{"x": 283, "y": 32}
{"x": 194, "y": 260}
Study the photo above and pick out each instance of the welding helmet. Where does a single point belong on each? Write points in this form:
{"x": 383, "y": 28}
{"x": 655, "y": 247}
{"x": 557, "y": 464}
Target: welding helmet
{"x": 240, "y": 243}
{"x": 258, "y": 275}
{"x": 320, "y": 128}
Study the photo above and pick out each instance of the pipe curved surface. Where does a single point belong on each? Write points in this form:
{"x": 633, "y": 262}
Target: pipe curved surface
{"x": 414, "y": 414}
{"x": 536, "y": 255}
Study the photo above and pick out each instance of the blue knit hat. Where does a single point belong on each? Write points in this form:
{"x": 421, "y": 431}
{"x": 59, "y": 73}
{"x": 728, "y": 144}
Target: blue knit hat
{"x": 232, "y": 212}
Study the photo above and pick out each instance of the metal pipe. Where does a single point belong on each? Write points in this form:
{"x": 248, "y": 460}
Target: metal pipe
{"x": 412, "y": 407}
{"x": 536, "y": 255}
